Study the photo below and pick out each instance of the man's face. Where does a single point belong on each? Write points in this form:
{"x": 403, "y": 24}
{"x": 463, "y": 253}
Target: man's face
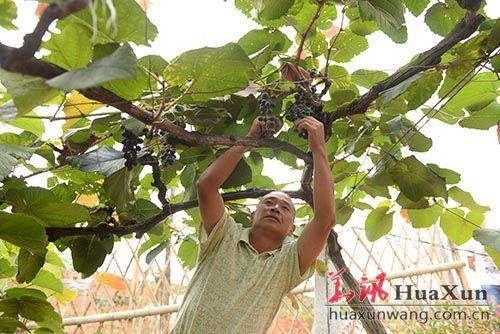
{"x": 275, "y": 212}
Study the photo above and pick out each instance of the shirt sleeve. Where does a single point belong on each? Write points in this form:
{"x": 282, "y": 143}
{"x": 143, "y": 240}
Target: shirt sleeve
{"x": 225, "y": 228}
{"x": 294, "y": 277}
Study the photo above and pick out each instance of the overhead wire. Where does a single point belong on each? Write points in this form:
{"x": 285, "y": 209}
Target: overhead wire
{"x": 388, "y": 153}
{"x": 414, "y": 127}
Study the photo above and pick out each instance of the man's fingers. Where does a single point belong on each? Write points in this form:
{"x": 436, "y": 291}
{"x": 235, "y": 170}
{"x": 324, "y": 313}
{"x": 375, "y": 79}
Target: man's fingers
{"x": 303, "y": 123}
{"x": 298, "y": 123}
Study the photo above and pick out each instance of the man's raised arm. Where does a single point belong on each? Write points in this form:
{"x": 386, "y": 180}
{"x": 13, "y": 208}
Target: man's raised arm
{"x": 315, "y": 233}
{"x": 209, "y": 200}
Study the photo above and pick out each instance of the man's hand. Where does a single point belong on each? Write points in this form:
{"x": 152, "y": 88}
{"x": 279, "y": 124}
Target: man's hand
{"x": 258, "y": 129}
{"x": 315, "y": 233}
{"x": 315, "y": 131}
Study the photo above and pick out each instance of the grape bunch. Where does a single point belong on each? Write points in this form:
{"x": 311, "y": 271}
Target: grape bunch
{"x": 131, "y": 145}
{"x": 304, "y": 106}
{"x": 266, "y": 107}
{"x": 167, "y": 155}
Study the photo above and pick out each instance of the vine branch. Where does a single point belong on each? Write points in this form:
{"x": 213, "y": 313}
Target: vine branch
{"x": 432, "y": 57}
{"x": 55, "y": 233}
{"x": 308, "y": 29}
{"x": 33, "y": 40}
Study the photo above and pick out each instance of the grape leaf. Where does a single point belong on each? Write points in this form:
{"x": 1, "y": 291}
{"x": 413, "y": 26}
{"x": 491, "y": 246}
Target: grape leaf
{"x": 212, "y": 71}
{"x": 119, "y": 65}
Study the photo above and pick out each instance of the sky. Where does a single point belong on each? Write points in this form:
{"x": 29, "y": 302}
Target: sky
{"x": 190, "y": 24}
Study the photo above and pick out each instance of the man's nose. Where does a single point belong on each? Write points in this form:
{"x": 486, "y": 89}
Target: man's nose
{"x": 275, "y": 208}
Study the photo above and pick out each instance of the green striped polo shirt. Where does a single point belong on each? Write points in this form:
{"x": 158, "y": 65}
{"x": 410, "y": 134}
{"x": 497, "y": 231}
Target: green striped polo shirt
{"x": 234, "y": 289}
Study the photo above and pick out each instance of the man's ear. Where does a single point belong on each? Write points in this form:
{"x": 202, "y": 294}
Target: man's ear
{"x": 291, "y": 230}
{"x": 251, "y": 216}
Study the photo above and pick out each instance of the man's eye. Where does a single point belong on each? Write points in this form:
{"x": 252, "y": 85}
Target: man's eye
{"x": 286, "y": 208}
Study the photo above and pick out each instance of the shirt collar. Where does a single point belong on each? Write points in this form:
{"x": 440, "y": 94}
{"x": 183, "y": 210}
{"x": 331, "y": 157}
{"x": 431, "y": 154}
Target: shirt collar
{"x": 245, "y": 237}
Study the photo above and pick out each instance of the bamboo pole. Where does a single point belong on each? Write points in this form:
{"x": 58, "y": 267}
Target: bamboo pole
{"x": 167, "y": 309}
{"x": 422, "y": 271}
{"x": 460, "y": 271}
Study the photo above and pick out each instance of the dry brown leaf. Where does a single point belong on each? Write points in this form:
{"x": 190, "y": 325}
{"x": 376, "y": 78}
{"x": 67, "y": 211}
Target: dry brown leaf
{"x": 294, "y": 73}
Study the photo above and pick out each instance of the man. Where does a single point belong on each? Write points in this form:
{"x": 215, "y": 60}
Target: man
{"x": 242, "y": 274}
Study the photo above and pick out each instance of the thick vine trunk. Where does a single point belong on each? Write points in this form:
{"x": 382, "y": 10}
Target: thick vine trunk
{"x": 371, "y": 326}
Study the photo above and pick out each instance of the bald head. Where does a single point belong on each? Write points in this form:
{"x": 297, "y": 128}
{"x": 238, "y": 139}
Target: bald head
{"x": 281, "y": 196}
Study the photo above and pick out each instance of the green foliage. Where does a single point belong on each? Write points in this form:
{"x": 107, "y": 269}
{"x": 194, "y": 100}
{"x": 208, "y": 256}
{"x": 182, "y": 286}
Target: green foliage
{"x": 389, "y": 16}
{"x": 347, "y": 46}
{"x": 23, "y": 231}
{"x": 9, "y": 155}
{"x": 378, "y": 223}
{"x": 71, "y": 49}
{"x": 32, "y": 308}
{"x": 8, "y": 12}
{"x": 120, "y": 64}
{"x": 45, "y": 207}
{"x": 188, "y": 253}
{"x": 104, "y": 160}
{"x": 489, "y": 238}
{"x": 125, "y": 28}
{"x": 28, "y": 265}
{"x": 415, "y": 180}
{"x": 416, "y": 7}
{"x": 263, "y": 45}
{"x": 425, "y": 217}
{"x": 442, "y": 16}
{"x": 457, "y": 226}
{"x": 89, "y": 252}
{"x": 27, "y": 92}
{"x": 367, "y": 78}
{"x": 466, "y": 200}
{"x": 270, "y": 10}
{"x": 211, "y": 71}
{"x": 482, "y": 119}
